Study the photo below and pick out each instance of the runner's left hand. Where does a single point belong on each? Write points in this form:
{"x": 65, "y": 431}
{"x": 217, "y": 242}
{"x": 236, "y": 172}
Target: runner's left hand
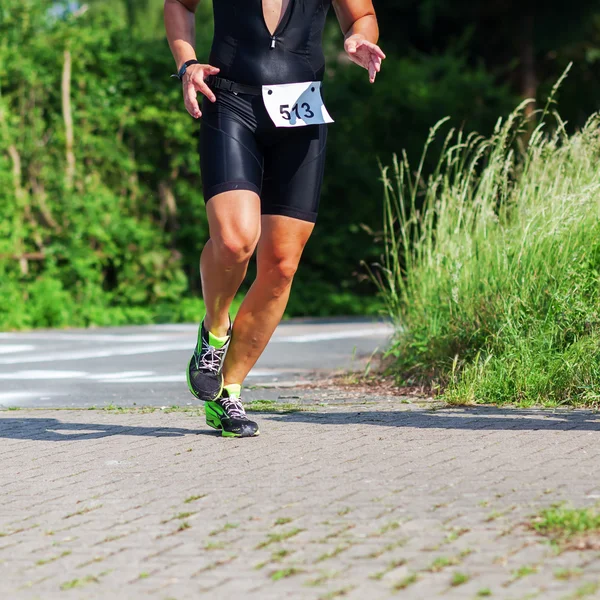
{"x": 364, "y": 53}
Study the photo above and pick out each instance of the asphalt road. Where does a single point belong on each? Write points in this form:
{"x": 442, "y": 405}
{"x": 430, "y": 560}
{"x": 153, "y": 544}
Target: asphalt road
{"x": 130, "y": 366}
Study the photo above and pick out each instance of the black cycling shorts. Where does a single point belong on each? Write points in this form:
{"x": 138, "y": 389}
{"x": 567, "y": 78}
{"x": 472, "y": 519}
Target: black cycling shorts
{"x": 241, "y": 149}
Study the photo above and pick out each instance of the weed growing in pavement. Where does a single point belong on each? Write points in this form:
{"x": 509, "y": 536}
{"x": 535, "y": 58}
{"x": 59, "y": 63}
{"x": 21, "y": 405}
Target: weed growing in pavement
{"x": 407, "y": 581}
{"x": 75, "y": 583}
{"x": 459, "y": 578}
{"x": 274, "y": 406}
{"x": 395, "y": 564}
{"x": 273, "y": 538}
{"x": 566, "y": 574}
{"x": 194, "y": 498}
{"x": 454, "y": 534}
{"x": 491, "y": 266}
{"x": 184, "y": 515}
{"x": 569, "y": 527}
{"x": 587, "y": 589}
{"x": 387, "y": 548}
{"x": 337, "y": 593}
{"x": 392, "y": 526}
{"x": 276, "y": 557}
{"x": 322, "y": 578}
{"x": 484, "y": 593}
{"x": 287, "y": 572}
{"x": 337, "y": 550}
{"x": 53, "y": 558}
{"x": 83, "y": 511}
{"x": 283, "y": 521}
{"x": 181, "y": 515}
{"x": 441, "y": 562}
{"x": 226, "y": 527}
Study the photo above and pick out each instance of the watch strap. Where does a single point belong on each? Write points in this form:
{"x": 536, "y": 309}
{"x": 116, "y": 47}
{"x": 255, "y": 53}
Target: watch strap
{"x": 184, "y": 67}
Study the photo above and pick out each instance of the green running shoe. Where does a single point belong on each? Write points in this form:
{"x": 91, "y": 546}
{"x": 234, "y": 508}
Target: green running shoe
{"x": 204, "y": 377}
{"x": 228, "y": 415}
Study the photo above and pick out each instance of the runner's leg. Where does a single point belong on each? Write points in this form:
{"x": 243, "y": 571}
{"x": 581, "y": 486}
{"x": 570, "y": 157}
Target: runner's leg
{"x": 234, "y": 223}
{"x": 279, "y": 250}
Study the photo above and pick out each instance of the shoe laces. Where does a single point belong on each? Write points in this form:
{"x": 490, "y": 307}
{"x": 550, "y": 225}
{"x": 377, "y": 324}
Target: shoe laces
{"x": 233, "y": 406}
{"x": 210, "y": 358}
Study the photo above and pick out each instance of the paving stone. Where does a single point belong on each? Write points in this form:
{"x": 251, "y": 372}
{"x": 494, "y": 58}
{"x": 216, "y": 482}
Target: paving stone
{"x": 352, "y": 501}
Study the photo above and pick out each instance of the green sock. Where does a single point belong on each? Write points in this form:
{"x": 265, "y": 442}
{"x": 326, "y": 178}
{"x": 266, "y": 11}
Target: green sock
{"x": 217, "y": 342}
{"x": 233, "y": 389}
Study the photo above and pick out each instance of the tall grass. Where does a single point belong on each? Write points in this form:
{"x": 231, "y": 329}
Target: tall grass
{"x": 492, "y": 265}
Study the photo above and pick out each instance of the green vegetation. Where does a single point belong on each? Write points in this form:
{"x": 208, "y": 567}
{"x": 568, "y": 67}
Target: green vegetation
{"x": 561, "y": 524}
{"x": 273, "y": 538}
{"x": 586, "y": 590}
{"x": 53, "y": 558}
{"x": 566, "y": 574}
{"x": 492, "y": 266}
{"x": 406, "y": 582}
{"x": 274, "y": 406}
{"x": 194, "y": 498}
{"x": 287, "y": 572}
{"x": 441, "y": 562}
{"x": 484, "y": 593}
{"x": 459, "y": 578}
{"x": 75, "y": 583}
{"x": 102, "y": 211}
{"x": 524, "y": 571}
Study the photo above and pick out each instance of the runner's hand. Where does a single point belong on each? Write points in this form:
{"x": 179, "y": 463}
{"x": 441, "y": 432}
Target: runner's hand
{"x": 364, "y": 53}
{"x": 193, "y": 82}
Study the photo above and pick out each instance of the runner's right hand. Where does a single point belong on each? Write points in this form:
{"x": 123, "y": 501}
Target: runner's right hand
{"x": 193, "y": 82}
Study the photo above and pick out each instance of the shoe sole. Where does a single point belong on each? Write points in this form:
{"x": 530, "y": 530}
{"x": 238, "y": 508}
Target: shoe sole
{"x": 213, "y": 420}
{"x": 191, "y": 388}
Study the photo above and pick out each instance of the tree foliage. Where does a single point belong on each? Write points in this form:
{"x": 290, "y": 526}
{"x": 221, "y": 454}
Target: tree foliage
{"x": 102, "y": 212}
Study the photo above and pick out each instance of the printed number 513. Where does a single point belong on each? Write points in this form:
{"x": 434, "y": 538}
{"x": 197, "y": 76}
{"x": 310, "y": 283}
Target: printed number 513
{"x": 287, "y": 114}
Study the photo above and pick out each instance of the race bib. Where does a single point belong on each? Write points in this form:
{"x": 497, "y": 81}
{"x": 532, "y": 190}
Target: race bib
{"x": 295, "y": 104}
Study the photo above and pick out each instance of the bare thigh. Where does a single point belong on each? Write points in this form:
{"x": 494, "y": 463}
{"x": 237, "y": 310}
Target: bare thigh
{"x": 234, "y": 221}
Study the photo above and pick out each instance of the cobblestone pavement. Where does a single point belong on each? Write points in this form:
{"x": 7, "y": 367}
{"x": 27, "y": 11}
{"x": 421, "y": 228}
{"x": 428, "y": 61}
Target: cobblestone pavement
{"x": 380, "y": 500}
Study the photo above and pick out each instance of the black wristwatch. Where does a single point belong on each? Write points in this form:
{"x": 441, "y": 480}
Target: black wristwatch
{"x": 184, "y": 67}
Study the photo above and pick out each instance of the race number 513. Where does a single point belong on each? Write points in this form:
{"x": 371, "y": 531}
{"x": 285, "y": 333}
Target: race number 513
{"x": 302, "y": 111}
{"x": 295, "y": 104}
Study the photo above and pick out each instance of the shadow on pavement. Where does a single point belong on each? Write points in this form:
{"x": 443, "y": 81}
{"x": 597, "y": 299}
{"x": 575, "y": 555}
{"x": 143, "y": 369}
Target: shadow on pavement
{"x": 53, "y": 430}
{"x": 472, "y": 418}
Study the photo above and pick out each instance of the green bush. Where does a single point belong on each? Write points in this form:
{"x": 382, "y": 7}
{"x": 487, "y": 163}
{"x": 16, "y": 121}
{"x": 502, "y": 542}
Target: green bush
{"x": 493, "y": 274}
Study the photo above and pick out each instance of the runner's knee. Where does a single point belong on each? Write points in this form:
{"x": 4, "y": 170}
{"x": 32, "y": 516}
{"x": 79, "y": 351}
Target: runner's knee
{"x": 280, "y": 272}
{"x": 235, "y": 249}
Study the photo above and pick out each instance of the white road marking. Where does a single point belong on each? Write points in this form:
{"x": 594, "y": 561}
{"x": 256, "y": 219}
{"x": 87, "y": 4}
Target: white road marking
{"x": 153, "y": 349}
{"x": 93, "y": 337}
{"x": 42, "y": 375}
{"x": 335, "y": 335}
{"x": 16, "y": 396}
{"x": 97, "y": 353}
{"x": 154, "y": 379}
{"x": 179, "y": 378}
{"x": 16, "y": 348}
{"x": 119, "y": 376}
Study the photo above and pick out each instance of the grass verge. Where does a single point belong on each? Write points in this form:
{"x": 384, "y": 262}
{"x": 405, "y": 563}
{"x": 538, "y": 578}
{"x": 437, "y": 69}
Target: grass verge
{"x": 569, "y": 528}
{"x": 492, "y": 265}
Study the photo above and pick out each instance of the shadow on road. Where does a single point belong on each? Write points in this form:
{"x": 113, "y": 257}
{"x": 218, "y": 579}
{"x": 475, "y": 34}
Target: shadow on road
{"x": 53, "y": 430}
{"x": 472, "y": 418}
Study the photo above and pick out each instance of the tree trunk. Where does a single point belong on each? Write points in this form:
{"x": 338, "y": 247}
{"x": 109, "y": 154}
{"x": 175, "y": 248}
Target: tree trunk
{"x": 529, "y": 82}
{"x": 68, "y": 118}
